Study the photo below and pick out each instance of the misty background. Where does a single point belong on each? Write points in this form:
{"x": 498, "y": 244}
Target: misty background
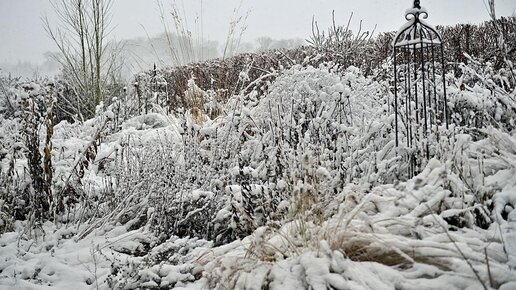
{"x": 218, "y": 27}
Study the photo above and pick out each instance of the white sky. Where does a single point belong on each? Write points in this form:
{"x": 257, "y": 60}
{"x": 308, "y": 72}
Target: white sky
{"x": 22, "y": 37}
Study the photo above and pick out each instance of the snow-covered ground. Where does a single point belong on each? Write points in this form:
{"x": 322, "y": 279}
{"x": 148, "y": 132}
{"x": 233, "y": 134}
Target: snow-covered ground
{"x": 387, "y": 237}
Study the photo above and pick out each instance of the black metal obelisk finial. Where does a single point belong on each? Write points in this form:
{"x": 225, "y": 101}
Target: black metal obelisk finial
{"x": 417, "y": 4}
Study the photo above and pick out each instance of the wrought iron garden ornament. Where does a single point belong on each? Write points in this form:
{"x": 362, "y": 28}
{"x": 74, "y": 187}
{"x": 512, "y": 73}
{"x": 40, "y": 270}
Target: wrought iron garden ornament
{"x": 419, "y": 85}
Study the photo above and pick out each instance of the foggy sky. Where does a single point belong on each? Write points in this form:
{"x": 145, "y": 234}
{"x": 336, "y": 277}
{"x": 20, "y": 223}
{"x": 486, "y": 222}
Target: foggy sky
{"x": 22, "y": 37}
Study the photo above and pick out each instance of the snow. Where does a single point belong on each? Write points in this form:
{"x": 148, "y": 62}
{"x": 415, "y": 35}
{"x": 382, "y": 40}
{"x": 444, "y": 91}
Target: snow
{"x": 340, "y": 219}
{"x": 56, "y": 262}
{"x": 407, "y": 32}
{"x": 379, "y": 230}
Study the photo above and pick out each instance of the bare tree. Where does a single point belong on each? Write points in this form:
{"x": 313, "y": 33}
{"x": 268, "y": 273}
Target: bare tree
{"x": 86, "y": 56}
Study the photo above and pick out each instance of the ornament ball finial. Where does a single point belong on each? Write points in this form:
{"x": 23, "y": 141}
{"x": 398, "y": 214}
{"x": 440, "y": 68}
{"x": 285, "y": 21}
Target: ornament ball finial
{"x": 417, "y": 4}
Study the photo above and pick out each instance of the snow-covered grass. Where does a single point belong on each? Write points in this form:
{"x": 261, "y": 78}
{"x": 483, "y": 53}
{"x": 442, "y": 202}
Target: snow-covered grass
{"x": 387, "y": 237}
{"x": 301, "y": 189}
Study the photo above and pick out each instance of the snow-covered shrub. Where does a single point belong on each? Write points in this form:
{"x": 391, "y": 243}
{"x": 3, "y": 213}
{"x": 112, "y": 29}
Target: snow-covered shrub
{"x": 480, "y": 41}
{"x": 33, "y": 104}
{"x": 167, "y": 265}
{"x": 304, "y": 147}
{"x": 43, "y": 169}
{"x": 8, "y": 102}
{"x": 340, "y": 44}
{"x": 12, "y": 199}
{"x": 26, "y": 159}
{"x": 176, "y": 179}
{"x": 483, "y": 96}
{"x": 157, "y": 177}
{"x": 313, "y": 132}
{"x": 344, "y": 116}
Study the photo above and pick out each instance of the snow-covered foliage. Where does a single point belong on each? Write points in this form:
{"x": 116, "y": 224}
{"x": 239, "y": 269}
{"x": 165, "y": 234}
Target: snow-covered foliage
{"x": 484, "y": 96}
{"x": 341, "y": 44}
{"x": 296, "y": 184}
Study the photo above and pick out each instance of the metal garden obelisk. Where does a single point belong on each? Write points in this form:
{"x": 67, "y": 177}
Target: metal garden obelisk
{"x": 419, "y": 87}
